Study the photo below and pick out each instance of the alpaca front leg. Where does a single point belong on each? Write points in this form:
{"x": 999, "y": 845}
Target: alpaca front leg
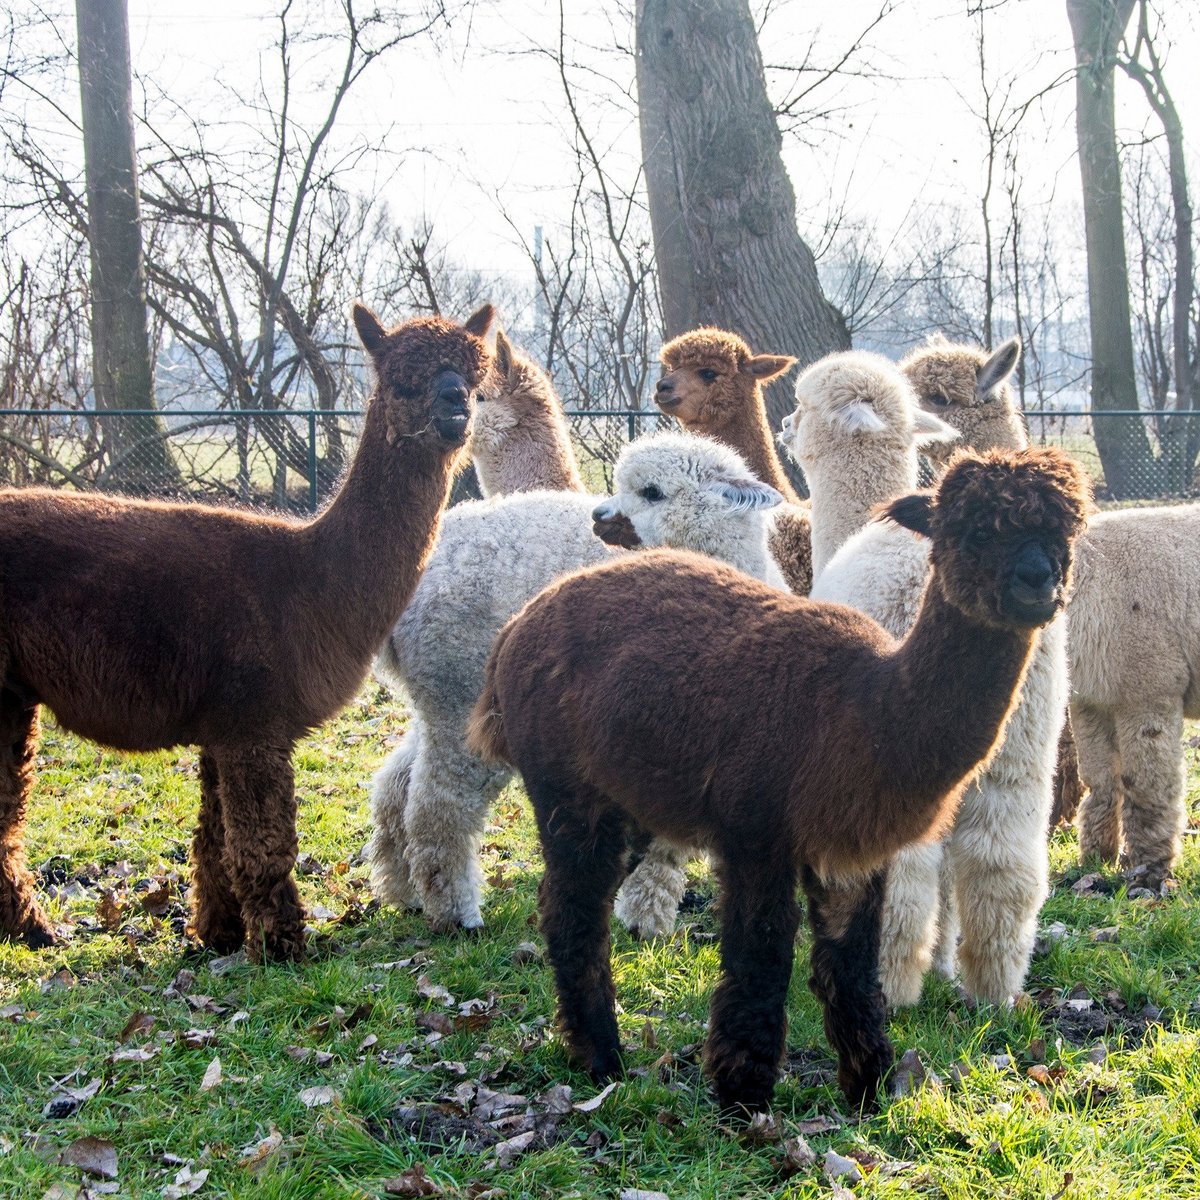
{"x": 450, "y": 793}
{"x": 387, "y": 850}
{"x": 1100, "y": 813}
{"x": 1154, "y": 816}
{"x": 20, "y": 916}
{"x": 258, "y": 805}
{"x": 584, "y": 859}
{"x": 845, "y": 921}
{"x": 216, "y": 913}
{"x": 649, "y": 898}
{"x": 910, "y": 922}
{"x": 748, "y": 1019}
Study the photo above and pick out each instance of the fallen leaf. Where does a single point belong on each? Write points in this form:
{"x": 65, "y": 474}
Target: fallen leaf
{"x": 1039, "y": 1073}
{"x": 526, "y": 952}
{"x": 838, "y": 1166}
{"x": 433, "y": 991}
{"x": 763, "y": 1130}
{"x": 638, "y": 1194}
{"x": 1110, "y": 933}
{"x": 134, "y": 1054}
{"x": 507, "y": 1152}
{"x": 212, "y": 1076}
{"x": 489, "y": 1105}
{"x": 94, "y": 1155}
{"x": 255, "y": 1156}
{"x": 139, "y": 1023}
{"x": 1086, "y": 885}
{"x": 414, "y": 1182}
{"x": 589, "y": 1106}
{"x": 557, "y": 1099}
{"x": 797, "y": 1156}
{"x": 186, "y": 1183}
{"x": 156, "y": 901}
{"x": 197, "y": 1039}
{"x": 909, "y": 1074}
{"x": 109, "y": 912}
{"x": 69, "y": 1101}
{"x": 817, "y": 1125}
{"x": 314, "y": 1097}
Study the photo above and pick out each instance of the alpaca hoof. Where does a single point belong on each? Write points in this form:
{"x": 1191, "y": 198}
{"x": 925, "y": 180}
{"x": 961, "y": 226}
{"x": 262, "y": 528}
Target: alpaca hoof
{"x": 861, "y": 1079}
{"x": 739, "y": 1104}
{"x": 606, "y": 1065}
{"x": 39, "y": 935}
{"x": 223, "y": 936}
{"x": 277, "y": 947}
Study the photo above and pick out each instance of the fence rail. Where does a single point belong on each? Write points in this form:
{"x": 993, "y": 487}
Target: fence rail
{"x": 291, "y": 458}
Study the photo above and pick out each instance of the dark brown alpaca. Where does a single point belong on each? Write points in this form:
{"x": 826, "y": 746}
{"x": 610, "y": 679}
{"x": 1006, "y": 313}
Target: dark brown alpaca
{"x": 712, "y": 385}
{"x": 661, "y": 692}
{"x": 144, "y": 625}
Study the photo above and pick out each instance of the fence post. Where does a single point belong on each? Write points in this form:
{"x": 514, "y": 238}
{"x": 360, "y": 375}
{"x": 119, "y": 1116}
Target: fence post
{"x": 312, "y": 460}
{"x": 630, "y": 418}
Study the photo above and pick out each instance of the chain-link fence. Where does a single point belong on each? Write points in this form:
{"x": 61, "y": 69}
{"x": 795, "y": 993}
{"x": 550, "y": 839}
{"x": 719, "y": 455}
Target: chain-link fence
{"x": 291, "y": 460}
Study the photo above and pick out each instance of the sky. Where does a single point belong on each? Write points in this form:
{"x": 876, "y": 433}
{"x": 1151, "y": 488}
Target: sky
{"x": 476, "y": 124}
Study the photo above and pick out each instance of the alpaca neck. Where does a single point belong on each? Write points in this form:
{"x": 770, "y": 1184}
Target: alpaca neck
{"x": 535, "y": 455}
{"x": 366, "y": 551}
{"x": 941, "y": 701}
{"x": 847, "y": 489}
{"x": 748, "y": 550}
{"x": 750, "y": 435}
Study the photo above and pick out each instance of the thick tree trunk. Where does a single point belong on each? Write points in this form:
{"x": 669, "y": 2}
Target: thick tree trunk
{"x": 722, "y": 207}
{"x": 123, "y": 372}
{"x": 1129, "y": 465}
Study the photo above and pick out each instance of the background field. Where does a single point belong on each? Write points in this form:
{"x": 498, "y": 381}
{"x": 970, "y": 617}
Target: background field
{"x": 1089, "y": 1087}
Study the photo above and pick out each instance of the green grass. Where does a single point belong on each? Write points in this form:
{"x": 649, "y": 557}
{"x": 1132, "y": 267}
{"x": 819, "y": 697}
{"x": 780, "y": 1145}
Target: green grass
{"x": 1124, "y": 1127}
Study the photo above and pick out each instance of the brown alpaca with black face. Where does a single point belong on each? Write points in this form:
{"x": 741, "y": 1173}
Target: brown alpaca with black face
{"x": 712, "y": 384}
{"x": 145, "y": 625}
{"x": 660, "y": 692}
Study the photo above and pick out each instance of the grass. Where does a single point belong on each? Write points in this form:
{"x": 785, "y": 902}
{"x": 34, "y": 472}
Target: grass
{"x": 1059, "y": 1117}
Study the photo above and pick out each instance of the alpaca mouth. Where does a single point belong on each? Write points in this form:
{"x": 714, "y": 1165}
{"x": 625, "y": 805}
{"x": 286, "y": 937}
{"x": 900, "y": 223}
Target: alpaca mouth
{"x": 667, "y": 402}
{"x": 1032, "y": 606}
{"x": 616, "y": 530}
{"x": 453, "y": 429}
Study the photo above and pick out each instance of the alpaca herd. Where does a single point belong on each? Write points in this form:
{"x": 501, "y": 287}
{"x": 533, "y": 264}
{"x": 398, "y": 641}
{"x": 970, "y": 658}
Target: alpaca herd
{"x": 862, "y": 693}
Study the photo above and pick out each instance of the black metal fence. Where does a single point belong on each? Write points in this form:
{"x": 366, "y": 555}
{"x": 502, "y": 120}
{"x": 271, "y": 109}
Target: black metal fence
{"x": 291, "y": 460}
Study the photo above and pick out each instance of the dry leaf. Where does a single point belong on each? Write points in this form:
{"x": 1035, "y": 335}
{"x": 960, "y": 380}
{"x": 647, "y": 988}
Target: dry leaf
{"x": 433, "y": 991}
{"x": 95, "y": 1155}
{"x": 109, "y": 912}
{"x": 638, "y": 1194}
{"x": 186, "y": 1183}
{"x": 588, "y": 1106}
{"x": 557, "y": 1099}
{"x": 134, "y": 1054}
{"x": 909, "y": 1074}
{"x": 212, "y": 1076}
{"x": 414, "y": 1182}
{"x": 798, "y": 1156}
{"x": 254, "y": 1157}
{"x": 156, "y": 901}
{"x": 507, "y": 1152}
{"x": 139, "y": 1023}
{"x": 837, "y": 1166}
{"x": 314, "y": 1097}
{"x": 817, "y": 1125}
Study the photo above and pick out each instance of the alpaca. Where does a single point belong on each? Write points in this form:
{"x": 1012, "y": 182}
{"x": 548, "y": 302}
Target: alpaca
{"x": 146, "y": 625}
{"x": 430, "y": 798}
{"x": 520, "y": 440}
{"x": 1135, "y": 658}
{"x": 712, "y": 385}
{"x": 970, "y": 389}
{"x": 993, "y": 867}
{"x": 661, "y": 691}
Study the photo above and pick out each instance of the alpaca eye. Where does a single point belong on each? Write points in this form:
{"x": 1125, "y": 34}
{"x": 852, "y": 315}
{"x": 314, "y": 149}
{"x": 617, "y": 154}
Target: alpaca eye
{"x": 708, "y": 375}
{"x": 651, "y": 492}
{"x": 938, "y": 399}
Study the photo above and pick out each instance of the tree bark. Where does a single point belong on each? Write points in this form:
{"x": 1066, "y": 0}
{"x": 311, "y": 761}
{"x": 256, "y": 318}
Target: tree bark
{"x": 722, "y": 208}
{"x": 122, "y": 367}
{"x": 1130, "y": 468}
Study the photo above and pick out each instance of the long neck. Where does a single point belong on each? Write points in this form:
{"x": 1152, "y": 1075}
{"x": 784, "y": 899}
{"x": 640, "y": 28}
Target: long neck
{"x": 847, "y": 488}
{"x": 535, "y": 454}
{"x": 746, "y": 547}
{"x": 364, "y": 554}
{"x": 749, "y": 434}
{"x": 941, "y": 700}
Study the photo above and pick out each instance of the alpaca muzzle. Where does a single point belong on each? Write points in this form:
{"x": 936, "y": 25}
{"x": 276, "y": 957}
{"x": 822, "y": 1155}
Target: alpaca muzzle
{"x": 451, "y": 409}
{"x": 1034, "y": 592}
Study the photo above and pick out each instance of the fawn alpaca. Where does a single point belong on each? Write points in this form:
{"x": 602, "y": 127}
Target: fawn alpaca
{"x": 797, "y": 740}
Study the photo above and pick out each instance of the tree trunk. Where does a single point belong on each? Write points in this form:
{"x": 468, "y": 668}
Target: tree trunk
{"x": 722, "y": 208}
{"x": 122, "y": 368}
{"x": 1130, "y": 468}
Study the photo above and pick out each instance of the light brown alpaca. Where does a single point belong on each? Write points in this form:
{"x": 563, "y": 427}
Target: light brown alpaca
{"x": 145, "y": 625}
{"x": 520, "y": 440}
{"x": 659, "y": 692}
{"x": 712, "y": 385}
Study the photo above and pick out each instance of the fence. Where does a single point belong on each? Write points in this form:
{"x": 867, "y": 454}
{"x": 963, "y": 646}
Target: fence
{"x": 291, "y": 460}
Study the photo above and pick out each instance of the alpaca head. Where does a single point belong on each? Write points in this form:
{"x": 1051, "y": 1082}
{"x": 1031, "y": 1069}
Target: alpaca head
{"x": 516, "y": 391}
{"x": 680, "y": 490}
{"x": 709, "y": 377}
{"x": 1002, "y": 526}
{"x": 853, "y": 402}
{"x": 969, "y": 389}
{"x": 428, "y": 371}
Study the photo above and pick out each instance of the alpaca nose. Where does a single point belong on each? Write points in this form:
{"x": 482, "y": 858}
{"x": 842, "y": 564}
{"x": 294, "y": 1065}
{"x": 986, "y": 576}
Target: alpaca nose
{"x": 601, "y": 513}
{"x": 1036, "y": 572}
{"x": 665, "y": 386}
{"x": 453, "y": 394}
{"x": 664, "y": 393}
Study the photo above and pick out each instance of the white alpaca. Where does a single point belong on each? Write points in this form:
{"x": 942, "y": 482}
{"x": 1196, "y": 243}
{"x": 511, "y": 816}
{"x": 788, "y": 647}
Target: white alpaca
{"x": 990, "y": 874}
{"x": 430, "y": 798}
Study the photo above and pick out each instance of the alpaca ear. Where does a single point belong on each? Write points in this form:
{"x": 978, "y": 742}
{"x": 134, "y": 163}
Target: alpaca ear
{"x": 931, "y": 430}
{"x": 370, "y": 332}
{"x": 765, "y": 367}
{"x": 480, "y": 322}
{"x": 914, "y": 511}
{"x": 859, "y": 417}
{"x": 745, "y": 494}
{"x": 999, "y": 367}
{"x": 504, "y": 353}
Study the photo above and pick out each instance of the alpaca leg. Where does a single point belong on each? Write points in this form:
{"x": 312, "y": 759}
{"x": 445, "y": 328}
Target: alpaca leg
{"x": 584, "y": 859}
{"x": 216, "y": 913}
{"x": 1152, "y": 776}
{"x": 998, "y": 850}
{"x": 649, "y": 898}
{"x": 387, "y": 849}
{"x": 1100, "y": 813}
{"x": 910, "y": 922}
{"x": 20, "y": 916}
{"x": 748, "y": 1018}
{"x": 449, "y": 794}
{"x": 258, "y": 805}
{"x": 945, "y": 948}
{"x": 1068, "y": 785}
{"x": 845, "y": 920}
